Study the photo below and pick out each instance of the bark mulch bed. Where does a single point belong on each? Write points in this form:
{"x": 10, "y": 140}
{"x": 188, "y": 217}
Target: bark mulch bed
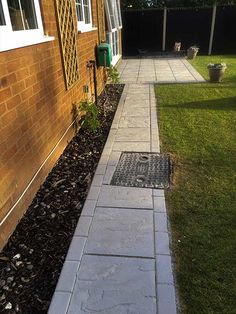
{"x": 31, "y": 262}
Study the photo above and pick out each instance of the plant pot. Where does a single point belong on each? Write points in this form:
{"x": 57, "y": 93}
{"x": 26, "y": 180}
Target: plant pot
{"x": 216, "y": 75}
{"x": 191, "y": 53}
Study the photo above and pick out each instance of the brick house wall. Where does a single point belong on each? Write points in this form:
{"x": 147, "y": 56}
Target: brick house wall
{"x": 35, "y": 112}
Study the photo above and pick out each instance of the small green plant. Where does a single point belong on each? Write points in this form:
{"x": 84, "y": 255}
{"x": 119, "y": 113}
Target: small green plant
{"x": 90, "y": 118}
{"x": 113, "y": 75}
{"x": 217, "y": 65}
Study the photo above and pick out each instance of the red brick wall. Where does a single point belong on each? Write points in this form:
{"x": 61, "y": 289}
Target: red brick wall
{"x": 35, "y": 112}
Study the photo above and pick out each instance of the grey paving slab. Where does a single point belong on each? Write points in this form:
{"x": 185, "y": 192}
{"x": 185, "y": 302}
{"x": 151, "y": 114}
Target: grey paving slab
{"x": 127, "y": 197}
{"x": 162, "y": 243}
{"x": 89, "y": 207}
{"x": 114, "y": 285}
{"x": 158, "y": 193}
{"x": 98, "y": 178}
{"x": 126, "y": 232}
{"x": 144, "y": 90}
{"x": 129, "y": 71}
{"x": 148, "y": 80}
{"x": 133, "y": 135}
{"x": 159, "y": 204}
{"x": 131, "y": 147}
{"x": 109, "y": 174}
{"x": 137, "y": 86}
{"x": 147, "y": 75}
{"x": 160, "y": 222}
{"x": 154, "y": 138}
{"x": 169, "y": 70}
{"x": 136, "y": 97}
{"x": 68, "y": 275}
{"x": 129, "y": 77}
{"x": 104, "y": 158}
{"x": 109, "y": 143}
{"x": 136, "y": 112}
{"x": 155, "y": 148}
{"x": 60, "y": 303}
{"x": 133, "y": 92}
{"x": 133, "y": 104}
{"x": 166, "y": 299}
{"x": 134, "y": 122}
{"x": 164, "y": 269}
{"x": 83, "y": 226}
{"x": 129, "y": 80}
{"x": 76, "y": 249}
{"x": 93, "y": 193}
{"x": 114, "y": 158}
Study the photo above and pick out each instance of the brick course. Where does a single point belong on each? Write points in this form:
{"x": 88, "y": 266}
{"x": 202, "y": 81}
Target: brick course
{"x": 35, "y": 111}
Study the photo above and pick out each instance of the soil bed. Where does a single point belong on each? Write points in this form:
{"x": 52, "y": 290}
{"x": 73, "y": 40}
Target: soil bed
{"x": 31, "y": 262}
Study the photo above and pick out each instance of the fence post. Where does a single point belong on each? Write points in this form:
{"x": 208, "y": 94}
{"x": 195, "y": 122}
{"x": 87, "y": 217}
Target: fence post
{"x": 164, "y": 29}
{"x": 212, "y": 28}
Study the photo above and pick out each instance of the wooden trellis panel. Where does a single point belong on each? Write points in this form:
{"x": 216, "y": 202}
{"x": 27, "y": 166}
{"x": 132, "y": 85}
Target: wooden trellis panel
{"x": 101, "y": 21}
{"x": 67, "y": 30}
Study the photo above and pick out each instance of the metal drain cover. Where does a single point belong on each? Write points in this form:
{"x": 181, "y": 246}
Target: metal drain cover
{"x": 149, "y": 170}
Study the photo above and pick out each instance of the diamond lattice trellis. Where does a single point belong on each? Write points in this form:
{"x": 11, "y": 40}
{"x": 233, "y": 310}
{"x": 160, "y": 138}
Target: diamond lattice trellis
{"x": 67, "y": 30}
{"x": 101, "y": 21}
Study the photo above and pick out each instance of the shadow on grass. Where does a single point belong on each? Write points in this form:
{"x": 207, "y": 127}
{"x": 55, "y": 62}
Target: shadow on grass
{"x": 227, "y": 104}
{"x": 215, "y": 85}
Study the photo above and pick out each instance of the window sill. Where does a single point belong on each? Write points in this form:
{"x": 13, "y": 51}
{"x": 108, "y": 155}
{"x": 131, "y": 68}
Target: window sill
{"x": 87, "y": 30}
{"x": 9, "y": 44}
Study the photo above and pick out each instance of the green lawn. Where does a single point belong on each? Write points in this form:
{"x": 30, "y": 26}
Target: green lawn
{"x": 198, "y": 127}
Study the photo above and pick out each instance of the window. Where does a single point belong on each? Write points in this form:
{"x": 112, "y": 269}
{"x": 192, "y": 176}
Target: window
{"x": 84, "y": 16}
{"x": 22, "y": 15}
{"x": 114, "y": 23}
{"x": 113, "y": 40}
{"x": 2, "y": 18}
{"x": 113, "y": 14}
{"x": 119, "y": 14}
{"x": 20, "y": 24}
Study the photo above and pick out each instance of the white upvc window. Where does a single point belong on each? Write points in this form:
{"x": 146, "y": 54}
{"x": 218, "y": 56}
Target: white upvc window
{"x": 113, "y": 14}
{"x": 84, "y": 15}
{"x": 114, "y": 23}
{"x": 20, "y": 24}
{"x": 119, "y": 14}
{"x": 113, "y": 39}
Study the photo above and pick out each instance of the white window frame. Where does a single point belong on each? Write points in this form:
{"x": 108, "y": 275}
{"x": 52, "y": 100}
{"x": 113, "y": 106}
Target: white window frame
{"x": 81, "y": 25}
{"x": 116, "y": 13}
{"x": 119, "y": 14}
{"x": 10, "y": 39}
{"x": 115, "y": 54}
{"x": 111, "y": 30}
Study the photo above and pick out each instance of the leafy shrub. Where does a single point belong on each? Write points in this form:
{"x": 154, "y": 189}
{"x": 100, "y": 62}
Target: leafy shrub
{"x": 113, "y": 75}
{"x": 90, "y": 118}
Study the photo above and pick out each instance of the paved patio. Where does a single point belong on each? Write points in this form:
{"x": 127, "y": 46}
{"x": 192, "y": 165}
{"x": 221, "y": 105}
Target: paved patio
{"x": 119, "y": 260}
{"x": 159, "y": 70}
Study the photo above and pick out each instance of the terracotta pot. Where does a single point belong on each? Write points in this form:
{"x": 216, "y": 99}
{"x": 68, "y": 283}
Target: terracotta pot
{"x": 216, "y": 75}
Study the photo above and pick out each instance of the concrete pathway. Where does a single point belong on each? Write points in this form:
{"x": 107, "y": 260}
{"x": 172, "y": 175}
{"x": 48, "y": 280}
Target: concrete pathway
{"x": 159, "y": 70}
{"x": 119, "y": 260}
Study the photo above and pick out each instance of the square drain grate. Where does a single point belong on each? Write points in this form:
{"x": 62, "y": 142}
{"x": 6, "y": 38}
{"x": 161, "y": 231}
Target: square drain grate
{"x": 146, "y": 170}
